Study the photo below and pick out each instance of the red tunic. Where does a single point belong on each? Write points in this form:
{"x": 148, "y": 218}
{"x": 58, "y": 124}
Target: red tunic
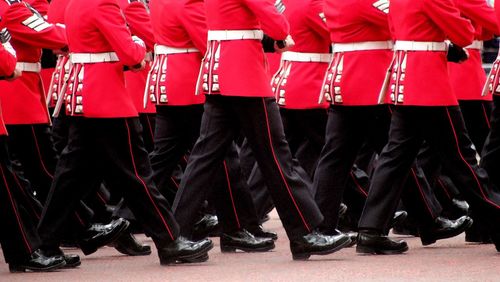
{"x": 23, "y": 100}
{"x": 7, "y": 66}
{"x": 492, "y": 85}
{"x": 468, "y": 78}
{"x": 178, "y": 24}
{"x": 138, "y": 21}
{"x": 98, "y": 89}
{"x": 55, "y": 15}
{"x": 242, "y": 65}
{"x": 297, "y": 84}
{"x": 422, "y": 79}
{"x": 354, "y": 78}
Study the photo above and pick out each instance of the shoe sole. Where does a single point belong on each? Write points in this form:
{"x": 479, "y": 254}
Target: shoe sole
{"x": 191, "y": 258}
{"x": 373, "y": 251}
{"x": 73, "y": 265}
{"x": 305, "y": 256}
{"x": 131, "y": 253}
{"x": 107, "y": 242}
{"x": 233, "y": 249}
{"x": 430, "y": 241}
{"x": 23, "y": 268}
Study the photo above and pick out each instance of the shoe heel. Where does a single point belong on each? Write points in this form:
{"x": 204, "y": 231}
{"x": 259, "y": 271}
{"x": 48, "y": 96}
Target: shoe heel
{"x": 16, "y": 269}
{"x": 365, "y": 250}
{"x": 301, "y": 256}
{"x": 427, "y": 240}
{"x": 167, "y": 261}
{"x": 227, "y": 249}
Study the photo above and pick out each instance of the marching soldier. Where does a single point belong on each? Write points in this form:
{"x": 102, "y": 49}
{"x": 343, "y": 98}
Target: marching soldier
{"x": 181, "y": 33}
{"x": 19, "y": 238}
{"x": 104, "y": 133}
{"x": 425, "y": 109}
{"x": 238, "y": 97}
{"x": 362, "y": 42}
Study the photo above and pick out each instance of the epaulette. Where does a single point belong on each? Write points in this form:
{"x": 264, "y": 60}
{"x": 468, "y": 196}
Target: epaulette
{"x": 11, "y": 2}
{"x": 382, "y": 5}
{"x": 4, "y": 36}
{"x": 280, "y": 6}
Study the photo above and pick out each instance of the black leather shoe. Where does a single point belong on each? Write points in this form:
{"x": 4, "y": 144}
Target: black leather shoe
{"x": 128, "y": 245}
{"x": 184, "y": 251}
{"x": 376, "y": 243}
{"x": 71, "y": 260}
{"x": 399, "y": 218}
{"x": 342, "y": 209}
{"x": 477, "y": 234}
{"x": 39, "y": 263}
{"x": 244, "y": 241}
{"x": 258, "y": 231}
{"x": 207, "y": 226}
{"x": 102, "y": 235}
{"x": 444, "y": 228}
{"x": 316, "y": 243}
{"x": 352, "y": 235}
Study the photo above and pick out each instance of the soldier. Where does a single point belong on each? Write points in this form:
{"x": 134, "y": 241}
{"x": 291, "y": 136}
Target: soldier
{"x": 361, "y": 39}
{"x": 425, "y": 109}
{"x": 490, "y": 155}
{"x": 181, "y": 32}
{"x": 104, "y": 133}
{"x": 238, "y": 97}
{"x": 19, "y": 238}
{"x": 467, "y": 80}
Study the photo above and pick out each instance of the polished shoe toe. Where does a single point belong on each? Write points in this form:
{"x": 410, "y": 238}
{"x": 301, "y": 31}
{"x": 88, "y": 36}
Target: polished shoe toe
{"x": 100, "y": 235}
{"x": 71, "y": 260}
{"x": 444, "y": 228}
{"x": 398, "y": 218}
{"x": 127, "y": 244}
{"x": 244, "y": 241}
{"x": 38, "y": 262}
{"x": 260, "y": 232}
{"x": 183, "y": 250}
{"x": 207, "y": 226}
{"x": 316, "y": 243}
{"x": 376, "y": 243}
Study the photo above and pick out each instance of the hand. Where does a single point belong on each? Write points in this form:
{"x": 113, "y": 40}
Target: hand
{"x": 17, "y": 73}
{"x": 288, "y": 44}
{"x": 63, "y": 51}
{"x": 140, "y": 66}
{"x": 457, "y": 54}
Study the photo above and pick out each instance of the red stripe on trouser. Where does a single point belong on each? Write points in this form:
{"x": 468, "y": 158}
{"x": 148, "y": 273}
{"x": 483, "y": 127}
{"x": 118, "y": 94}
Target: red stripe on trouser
{"x": 357, "y": 185}
{"x": 26, "y": 196}
{"x": 472, "y": 171}
{"x": 421, "y": 192}
{"x": 79, "y": 219}
{"x": 175, "y": 182}
{"x": 40, "y": 154}
{"x": 144, "y": 184}
{"x": 101, "y": 197}
{"x": 18, "y": 218}
{"x": 231, "y": 194}
{"x": 444, "y": 188}
{"x": 150, "y": 128}
{"x": 486, "y": 117}
{"x": 279, "y": 168}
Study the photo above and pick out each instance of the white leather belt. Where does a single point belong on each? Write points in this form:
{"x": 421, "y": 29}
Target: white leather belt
{"x": 362, "y": 46}
{"x": 306, "y": 57}
{"x": 420, "y": 46}
{"x": 29, "y": 67}
{"x": 166, "y": 50}
{"x": 235, "y": 34}
{"x": 89, "y": 58}
{"x": 477, "y": 44}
